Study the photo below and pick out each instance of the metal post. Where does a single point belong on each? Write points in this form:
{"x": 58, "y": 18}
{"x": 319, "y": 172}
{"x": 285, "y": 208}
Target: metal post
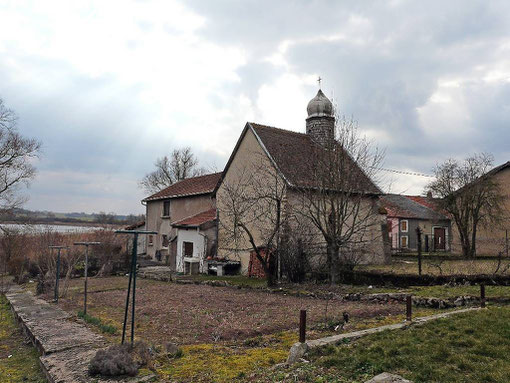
{"x": 409, "y": 308}
{"x": 133, "y": 268}
{"x": 57, "y": 277}
{"x": 302, "y": 326}
{"x": 57, "y": 273}
{"x": 86, "y": 280}
{"x": 85, "y": 291}
{"x": 132, "y": 279}
{"x": 418, "y": 237}
{"x": 127, "y": 304}
{"x": 482, "y": 295}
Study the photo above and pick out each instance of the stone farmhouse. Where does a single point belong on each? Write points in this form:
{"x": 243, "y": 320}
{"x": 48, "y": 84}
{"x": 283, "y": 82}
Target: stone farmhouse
{"x": 184, "y": 215}
{"x": 407, "y": 213}
{"x": 189, "y": 214}
{"x": 493, "y": 238}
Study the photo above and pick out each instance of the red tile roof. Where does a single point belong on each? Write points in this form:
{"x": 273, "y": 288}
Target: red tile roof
{"x": 293, "y": 154}
{"x": 404, "y": 206}
{"x": 198, "y": 219}
{"x": 188, "y": 187}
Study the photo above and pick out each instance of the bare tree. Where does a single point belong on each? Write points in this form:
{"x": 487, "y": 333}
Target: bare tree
{"x": 181, "y": 164}
{"x": 252, "y": 213}
{"x": 470, "y": 195}
{"x": 341, "y": 200}
{"x": 16, "y": 155}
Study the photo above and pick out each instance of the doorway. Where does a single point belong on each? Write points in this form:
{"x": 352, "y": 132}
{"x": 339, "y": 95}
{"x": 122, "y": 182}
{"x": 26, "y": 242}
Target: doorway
{"x": 439, "y": 238}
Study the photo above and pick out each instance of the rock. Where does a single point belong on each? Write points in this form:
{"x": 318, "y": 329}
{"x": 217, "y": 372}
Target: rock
{"x": 459, "y": 302}
{"x": 386, "y": 377}
{"x": 297, "y": 351}
{"x": 171, "y": 348}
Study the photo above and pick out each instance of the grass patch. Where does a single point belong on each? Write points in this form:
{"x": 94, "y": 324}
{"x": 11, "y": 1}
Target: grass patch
{"x": 19, "y": 361}
{"x": 436, "y": 267}
{"x": 471, "y": 347}
{"x": 106, "y": 328}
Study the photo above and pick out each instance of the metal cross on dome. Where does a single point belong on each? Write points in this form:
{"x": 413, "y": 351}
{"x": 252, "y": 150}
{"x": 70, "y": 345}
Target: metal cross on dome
{"x": 319, "y": 81}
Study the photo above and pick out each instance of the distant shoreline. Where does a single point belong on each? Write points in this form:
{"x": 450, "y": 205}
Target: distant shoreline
{"x": 57, "y": 223}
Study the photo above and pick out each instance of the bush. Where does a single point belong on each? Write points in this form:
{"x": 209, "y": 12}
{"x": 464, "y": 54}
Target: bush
{"x": 116, "y": 360}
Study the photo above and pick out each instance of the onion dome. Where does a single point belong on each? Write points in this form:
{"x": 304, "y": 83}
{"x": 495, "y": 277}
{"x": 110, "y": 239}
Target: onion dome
{"x": 320, "y": 106}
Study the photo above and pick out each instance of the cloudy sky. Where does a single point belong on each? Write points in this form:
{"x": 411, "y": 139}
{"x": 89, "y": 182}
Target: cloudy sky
{"x": 109, "y": 86}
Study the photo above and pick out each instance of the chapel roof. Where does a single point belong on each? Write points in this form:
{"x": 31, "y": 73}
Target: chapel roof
{"x": 293, "y": 154}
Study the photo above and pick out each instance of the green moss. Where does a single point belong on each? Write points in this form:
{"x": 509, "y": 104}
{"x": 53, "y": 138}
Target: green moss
{"x": 207, "y": 362}
{"x": 221, "y": 363}
{"x": 18, "y": 362}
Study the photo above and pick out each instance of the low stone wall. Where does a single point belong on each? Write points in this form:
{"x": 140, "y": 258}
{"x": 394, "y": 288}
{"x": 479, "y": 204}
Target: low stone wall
{"x": 298, "y": 350}
{"x": 430, "y": 302}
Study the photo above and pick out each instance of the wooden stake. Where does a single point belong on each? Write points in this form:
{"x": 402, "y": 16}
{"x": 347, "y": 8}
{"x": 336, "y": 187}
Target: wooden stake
{"x": 302, "y": 326}
{"x": 409, "y": 308}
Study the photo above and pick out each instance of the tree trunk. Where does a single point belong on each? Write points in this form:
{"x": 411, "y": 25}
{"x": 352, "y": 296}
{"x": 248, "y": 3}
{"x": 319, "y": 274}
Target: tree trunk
{"x": 333, "y": 253}
{"x": 473, "y": 241}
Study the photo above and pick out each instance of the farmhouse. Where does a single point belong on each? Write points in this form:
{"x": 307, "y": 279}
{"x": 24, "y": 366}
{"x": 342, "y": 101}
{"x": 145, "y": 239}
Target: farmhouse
{"x": 493, "y": 237}
{"x": 184, "y": 215}
{"x": 406, "y": 214}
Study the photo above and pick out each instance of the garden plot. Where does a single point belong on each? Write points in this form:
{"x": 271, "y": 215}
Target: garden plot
{"x": 191, "y": 314}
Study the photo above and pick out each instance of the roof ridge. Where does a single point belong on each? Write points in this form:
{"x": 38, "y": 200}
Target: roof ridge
{"x": 279, "y": 129}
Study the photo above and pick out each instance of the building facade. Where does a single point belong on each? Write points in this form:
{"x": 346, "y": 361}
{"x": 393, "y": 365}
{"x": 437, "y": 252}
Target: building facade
{"x": 407, "y": 213}
{"x": 184, "y": 216}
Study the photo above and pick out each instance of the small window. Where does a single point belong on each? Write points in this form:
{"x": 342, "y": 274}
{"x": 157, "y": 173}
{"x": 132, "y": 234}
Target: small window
{"x": 403, "y": 226}
{"x": 166, "y": 209}
{"x": 403, "y": 242}
{"x": 164, "y": 240}
{"x": 187, "y": 248}
{"x": 151, "y": 240}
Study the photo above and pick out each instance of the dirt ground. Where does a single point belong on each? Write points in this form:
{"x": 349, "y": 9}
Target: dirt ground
{"x": 192, "y": 314}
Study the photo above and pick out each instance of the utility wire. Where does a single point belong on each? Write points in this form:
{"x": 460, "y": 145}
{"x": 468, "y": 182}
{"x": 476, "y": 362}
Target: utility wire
{"x": 405, "y": 173}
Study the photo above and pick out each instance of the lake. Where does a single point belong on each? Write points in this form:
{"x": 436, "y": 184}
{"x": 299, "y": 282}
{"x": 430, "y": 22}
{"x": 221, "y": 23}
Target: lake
{"x": 40, "y": 228}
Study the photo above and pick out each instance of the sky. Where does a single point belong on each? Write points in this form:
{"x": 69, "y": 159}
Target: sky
{"x": 110, "y": 86}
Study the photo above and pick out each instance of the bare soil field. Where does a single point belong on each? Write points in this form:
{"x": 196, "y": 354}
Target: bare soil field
{"x": 192, "y": 314}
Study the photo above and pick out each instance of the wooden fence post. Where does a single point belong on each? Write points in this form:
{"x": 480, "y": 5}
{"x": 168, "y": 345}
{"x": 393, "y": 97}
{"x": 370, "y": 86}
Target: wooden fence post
{"x": 482, "y": 295}
{"x": 302, "y": 326}
{"x": 409, "y": 308}
{"x": 418, "y": 238}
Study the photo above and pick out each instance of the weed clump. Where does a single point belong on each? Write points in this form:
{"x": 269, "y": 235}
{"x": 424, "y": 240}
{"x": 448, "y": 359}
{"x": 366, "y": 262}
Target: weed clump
{"x": 120, "y": 359}
{"x": 116, "y": 360}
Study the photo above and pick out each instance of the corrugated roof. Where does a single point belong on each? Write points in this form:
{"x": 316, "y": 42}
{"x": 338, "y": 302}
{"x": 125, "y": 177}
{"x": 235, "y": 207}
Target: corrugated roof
{"x": 197, "y": 219}
{"x": 190, "y": 186}
{"x": 403, "y": 206}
